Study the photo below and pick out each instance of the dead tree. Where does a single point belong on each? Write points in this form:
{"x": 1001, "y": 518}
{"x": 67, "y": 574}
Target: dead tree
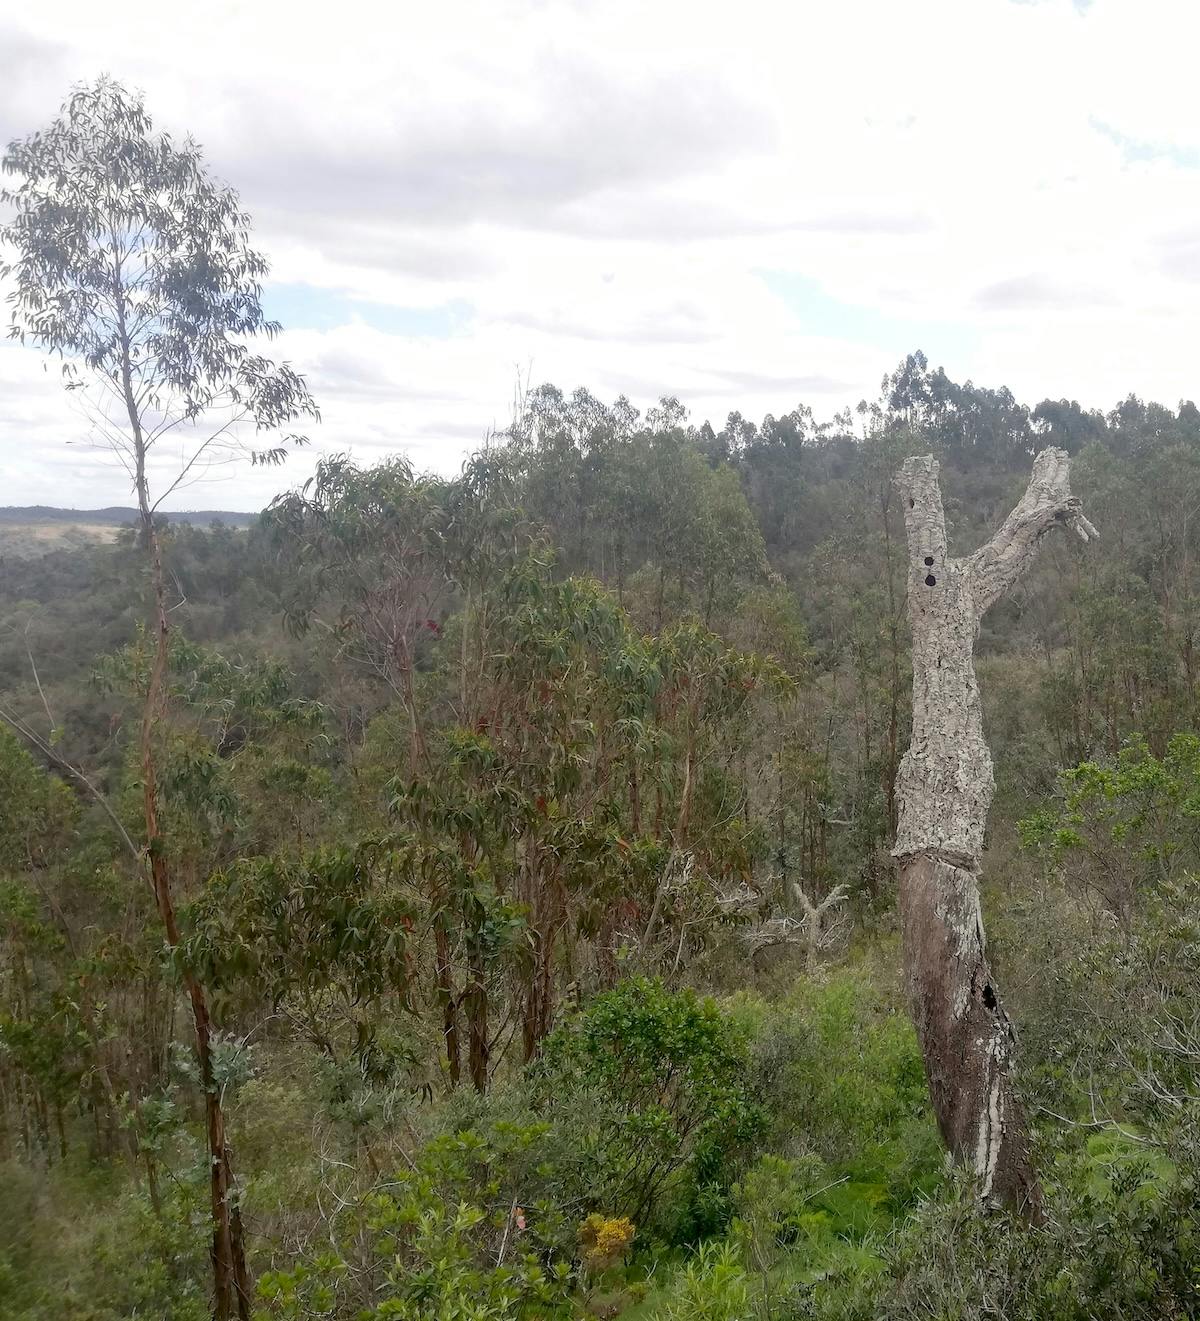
{"x": 814, "y": 918}
{"x": 945, "y": 790}
{"x": 780, "y": 929}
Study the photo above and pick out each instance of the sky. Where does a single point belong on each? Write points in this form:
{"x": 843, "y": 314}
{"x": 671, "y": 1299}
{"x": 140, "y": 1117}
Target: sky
{"x": 746, "y": 206}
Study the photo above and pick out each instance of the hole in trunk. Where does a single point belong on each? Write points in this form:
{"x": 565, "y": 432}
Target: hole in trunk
{"x": 929, "y": 561}
{"x": 930, "y": 580}
{"x": 989, "y": 996}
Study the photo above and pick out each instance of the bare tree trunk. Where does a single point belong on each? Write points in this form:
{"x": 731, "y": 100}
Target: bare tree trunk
{"x": 475, "y": 1003}
{"x": 945, "y": 789}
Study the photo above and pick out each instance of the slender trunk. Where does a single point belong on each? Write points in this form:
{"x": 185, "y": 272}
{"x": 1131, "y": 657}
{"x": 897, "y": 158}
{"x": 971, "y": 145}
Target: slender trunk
{"x": 445, "y": 991}
{"x": 893, "y": 730}
{"x": 545, "y": 1018}
{"x": 537, "y": 1017}
{"x": 231, "y": 1281}
{"x": 418, "y": 751}
{"x": 534, "y": 898}
{"x": 684, "y": 819}
{"x": 152, "y": 1185}
{"x": 944, "y": 790}
{"x": 475, "y": 1002}
{"x": 530, "y": 1012}
{"x": 464, "y": 686}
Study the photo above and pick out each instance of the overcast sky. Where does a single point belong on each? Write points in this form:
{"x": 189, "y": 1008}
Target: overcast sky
{"x": 746, "y": 205}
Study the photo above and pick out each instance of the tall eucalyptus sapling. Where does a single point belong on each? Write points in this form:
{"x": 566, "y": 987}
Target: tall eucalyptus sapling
{"x": 134, "y": 267}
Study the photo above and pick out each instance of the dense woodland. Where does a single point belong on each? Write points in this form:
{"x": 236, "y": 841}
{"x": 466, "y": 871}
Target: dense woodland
{"x": 484, "y": 884}
{"x": 490, "y": 797}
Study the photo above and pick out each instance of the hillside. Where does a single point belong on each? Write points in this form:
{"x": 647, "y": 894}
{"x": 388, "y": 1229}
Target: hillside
{"x": 116, "y": 516}
{"x": 499, "y": 808}
{"x": 32, "y": 530}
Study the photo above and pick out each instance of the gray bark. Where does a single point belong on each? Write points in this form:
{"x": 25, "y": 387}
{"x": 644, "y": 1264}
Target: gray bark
{"x": 945, "y": 789}
{"x": 814, "y": 917}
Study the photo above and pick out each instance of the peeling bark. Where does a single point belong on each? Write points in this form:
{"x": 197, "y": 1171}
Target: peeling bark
{"x": 945, "y": 789}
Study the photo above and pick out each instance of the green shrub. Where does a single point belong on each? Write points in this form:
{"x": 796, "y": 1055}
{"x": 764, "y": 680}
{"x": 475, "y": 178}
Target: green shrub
{"x": 1120, "y": 1242}
{"x": 59, "y": 1259}
{"x": 712, "y": 1287}
{"x": 443, "y": 1244}
{"x": 650, "y": 1090}
{"x": 838, "y": 1070}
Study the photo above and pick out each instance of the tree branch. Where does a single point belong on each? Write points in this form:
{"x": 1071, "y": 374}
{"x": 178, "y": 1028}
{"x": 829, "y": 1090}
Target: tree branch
{"x": 1047, "y": 503}
{"x": 18, "y": 726}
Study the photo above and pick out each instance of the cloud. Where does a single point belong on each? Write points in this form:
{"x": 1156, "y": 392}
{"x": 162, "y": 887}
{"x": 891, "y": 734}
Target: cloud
{"x": 786, "y": 384}
{"x": 453, "y": 155}
{"x": 1039, "y": 293}
{"x": 1179, "y": 254}
{"x": 598, "y": 187}
{"x": 26, "y": 62}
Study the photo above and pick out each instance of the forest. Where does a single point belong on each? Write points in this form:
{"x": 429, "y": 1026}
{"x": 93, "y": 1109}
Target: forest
{"x": 475, "y": 897}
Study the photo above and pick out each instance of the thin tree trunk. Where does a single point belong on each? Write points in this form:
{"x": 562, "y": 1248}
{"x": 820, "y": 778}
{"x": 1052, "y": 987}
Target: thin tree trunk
{"x": 475, "y": 1002}
{"x": 444, "y": 974}
{"x": 231, "y": 1280}
{"x": 945, "y": 789}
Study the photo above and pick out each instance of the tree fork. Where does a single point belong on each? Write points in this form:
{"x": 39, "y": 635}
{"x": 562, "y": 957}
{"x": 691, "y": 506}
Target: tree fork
{"x": 945, "y": 788}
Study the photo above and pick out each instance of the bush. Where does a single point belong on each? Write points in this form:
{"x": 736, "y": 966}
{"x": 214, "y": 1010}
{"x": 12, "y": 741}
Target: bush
{"x": 713, "y": 1287}
{"x": 837, "y": 1067}
{"x": 443, "y": 1244}
{"x": 1120, "y": 1241}
{"x": 650, "y": 1089}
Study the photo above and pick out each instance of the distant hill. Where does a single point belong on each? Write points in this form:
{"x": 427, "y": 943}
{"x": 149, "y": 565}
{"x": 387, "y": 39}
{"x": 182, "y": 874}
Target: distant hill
{"x": 115, "y": 516}
{"x": 30, "y": 531}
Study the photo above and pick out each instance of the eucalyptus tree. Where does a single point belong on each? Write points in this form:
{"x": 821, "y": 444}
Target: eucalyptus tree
{"x": 134, "y": 267}
{"x": 363, "y": 552}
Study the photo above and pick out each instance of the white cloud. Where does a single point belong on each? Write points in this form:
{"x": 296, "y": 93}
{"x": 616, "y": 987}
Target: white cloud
{"x": 604, "y": 182}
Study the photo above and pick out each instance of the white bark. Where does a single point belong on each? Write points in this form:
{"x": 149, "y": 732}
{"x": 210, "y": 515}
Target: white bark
{"x": 809, "y": 931}
{"x": 814, "y": 917}
{"x": 945, "y": 783}
{"x": 945, "y": 789}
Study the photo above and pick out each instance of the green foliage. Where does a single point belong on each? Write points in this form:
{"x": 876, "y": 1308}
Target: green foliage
{"x": 443, "y": 1246}
{"x": 1126, "y": 825}
{"x": 60, "y": 1259}
{"x": 319, "y": 936}
{"x": 38, "y": 809}
{"x": 233, "y": 701}
{"x": 797, "y": 1223}
{"x": 135, "y": 267}
{"x": 539, "y": 725}
{"x": 839, "y": 1068}
{"x": 712, "y": 1287}
{"x": 1125, "y": 1248}
{"x": 1117, "y": 1005}
{"x": 658, "y": 1079}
